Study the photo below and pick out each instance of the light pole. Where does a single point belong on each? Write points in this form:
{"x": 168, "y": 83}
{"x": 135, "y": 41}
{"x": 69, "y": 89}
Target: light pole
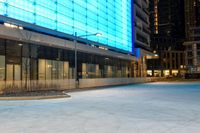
{"x": 75, "y": 54}
{"x": 75, "y": 59}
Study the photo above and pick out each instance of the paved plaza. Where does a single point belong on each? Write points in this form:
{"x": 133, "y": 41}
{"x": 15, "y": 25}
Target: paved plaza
{"x": 141, "y": 108}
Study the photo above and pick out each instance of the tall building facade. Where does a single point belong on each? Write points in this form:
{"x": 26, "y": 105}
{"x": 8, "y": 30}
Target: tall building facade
{"x": 48, "y": 43}
{"x": 141, "y": 35}
{"x": 192, "y": 44}
{"x": 167, "y": 35}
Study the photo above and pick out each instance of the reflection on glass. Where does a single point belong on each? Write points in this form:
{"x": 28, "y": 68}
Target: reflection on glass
{"x": 9, "y": 72}
{"x": 41, "y": 69}
{"x": 17, "y": 72}
{"x": 25, "y": 68}
{"x": 66, "y": 70}
{"x": 13, "y": 72}
{"x": 90, "y": 70}
{"x": 48, "y": 69}
{"x": 2, "y": 67}
{"x": 55, "y": 70}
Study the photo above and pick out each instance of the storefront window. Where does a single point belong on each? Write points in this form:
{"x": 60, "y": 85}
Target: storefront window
{"x": 2, "y": 67}
{"x": 90, "y": 71}
{"x": 55, "y": 69}
{"x": 108, "y": 71}
{"x": 41, "y": 69}
{"x": 48, "y": 69}
{"x": 26, "y": 69}
{"x": 37, "y": 62}
{"x": 34, "y": 69}
{"x": 66, "y": 70}
{"x": 60, "y": 70}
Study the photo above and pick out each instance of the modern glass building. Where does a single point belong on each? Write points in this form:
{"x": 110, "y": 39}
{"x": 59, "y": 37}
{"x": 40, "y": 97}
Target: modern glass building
{"x": 37, "y": 41}
{"x": 112, "y": 19}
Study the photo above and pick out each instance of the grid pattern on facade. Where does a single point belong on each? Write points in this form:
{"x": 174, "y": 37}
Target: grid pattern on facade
{"x": 111, "y": 18}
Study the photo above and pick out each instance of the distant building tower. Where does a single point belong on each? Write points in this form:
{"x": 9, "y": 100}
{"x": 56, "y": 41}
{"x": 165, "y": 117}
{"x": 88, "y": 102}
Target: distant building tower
{"x": 167, "y": 36}
{"x": 192, "y": 27}
{"x": 142, "y": 35}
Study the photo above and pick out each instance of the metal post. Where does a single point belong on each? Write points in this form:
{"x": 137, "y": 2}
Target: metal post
{"x": 75, "y": 59}
{"x": 75, "y": 54}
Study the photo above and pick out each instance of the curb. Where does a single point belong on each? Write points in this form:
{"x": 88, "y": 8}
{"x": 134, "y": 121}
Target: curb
{"x": 33, "y": 97}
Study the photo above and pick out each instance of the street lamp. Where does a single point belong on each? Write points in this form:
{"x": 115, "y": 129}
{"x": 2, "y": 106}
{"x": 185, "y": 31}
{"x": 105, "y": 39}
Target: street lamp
{"x": 75, "y": 52}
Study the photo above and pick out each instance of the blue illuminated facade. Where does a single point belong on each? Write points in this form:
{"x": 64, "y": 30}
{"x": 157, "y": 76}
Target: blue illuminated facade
{"x": 112, "y": 18}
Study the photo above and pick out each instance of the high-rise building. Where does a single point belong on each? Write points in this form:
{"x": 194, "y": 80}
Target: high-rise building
{"x": 167, "y": 36}
{"x": 49, "y": 43}
{"x": 142, "y": 31}
{"x": 153, "y": 8}
{"x": 142, "y": 35}
{"x": 192, "y": 44}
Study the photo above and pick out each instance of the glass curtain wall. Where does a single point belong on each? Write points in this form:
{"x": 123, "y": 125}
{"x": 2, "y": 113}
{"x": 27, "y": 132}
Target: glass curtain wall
{"x": 94, "y": 66}
{"x": 112, "y": 18}
{"x": 2, "y": 67}
{"x": 2, "y": 60}
{"x": 21, "y": 61}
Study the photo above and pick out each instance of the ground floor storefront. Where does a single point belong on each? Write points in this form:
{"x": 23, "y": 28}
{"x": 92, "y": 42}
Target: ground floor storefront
{"x": 33, "y": 66}
{"x": 30, "y": 60}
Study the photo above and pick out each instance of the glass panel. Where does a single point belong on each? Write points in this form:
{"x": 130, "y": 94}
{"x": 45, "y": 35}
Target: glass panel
{"x": 17, "y": 72}
{"x": 97, "y": 71}
{"x": 2, "y": 67}
{"x": 90, "y": 70}
{"x": 25, "y": 69}
{"x": 34, "y": 69}
{"x": 61, "y": 70}
{"x": 9, "y": 72}
{"x": 71, "y": 73}
{"x": 66, "y": 70}
{"x": 55, "y": 70}
{"x": 110, "y": 71}
{"x": 41, "y": 69}
{"x": 48, "y": 69}
{"x": 119, "y": 73}
{"x": 84, "y": 70}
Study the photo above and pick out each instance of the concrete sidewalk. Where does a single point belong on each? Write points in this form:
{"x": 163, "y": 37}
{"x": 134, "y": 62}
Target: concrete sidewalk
{"x": 158, "y": 107}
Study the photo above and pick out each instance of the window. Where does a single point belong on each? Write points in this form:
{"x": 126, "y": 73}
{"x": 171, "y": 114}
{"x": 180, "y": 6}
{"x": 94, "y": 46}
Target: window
{"x": 26, "y": 69}
{"x": 189, "y": 47}
{"x": 41, "y": 69}
{"x": 2, "y": 67}
{"x": 198, "y": 46}
{"x": 49, "y": 70}
{"x": 90, "y": 70}
{"x": 189, "y": 54}
{"x": 66, "y": 70}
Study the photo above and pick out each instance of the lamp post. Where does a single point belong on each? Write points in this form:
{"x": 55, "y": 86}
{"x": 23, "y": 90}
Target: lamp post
{"x": 75, "y": 53}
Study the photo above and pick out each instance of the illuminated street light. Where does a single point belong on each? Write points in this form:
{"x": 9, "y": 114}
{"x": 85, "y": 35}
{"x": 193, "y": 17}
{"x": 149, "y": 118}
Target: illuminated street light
{"x": 20, "y": 44}
{"x": 98, "y": 34}
{"x": 75, "y": 52}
